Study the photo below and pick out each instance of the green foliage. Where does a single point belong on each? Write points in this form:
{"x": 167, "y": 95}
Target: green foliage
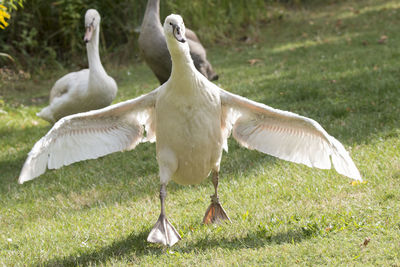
{"x": 57, "y": 26}
{"x": 48, "y": 31}
{"x": 219, "y": 19}
{"x": 49, "y": 28}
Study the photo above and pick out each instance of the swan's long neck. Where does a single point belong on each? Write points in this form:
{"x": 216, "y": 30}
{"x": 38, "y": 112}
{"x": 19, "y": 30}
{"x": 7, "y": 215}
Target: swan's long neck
{"x": 152, "y": 13}
{"x": 92, "y": 47}
{"x": 182, "y": 63}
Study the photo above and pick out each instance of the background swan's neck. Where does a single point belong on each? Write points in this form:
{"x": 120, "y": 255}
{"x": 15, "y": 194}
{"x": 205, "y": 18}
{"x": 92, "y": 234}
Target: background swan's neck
{"x": 92, "y": 48}
{"x": 152, "y": 13}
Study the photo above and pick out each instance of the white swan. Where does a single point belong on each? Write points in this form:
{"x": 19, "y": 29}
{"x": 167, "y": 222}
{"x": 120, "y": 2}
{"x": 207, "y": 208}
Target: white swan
{"x": 83, "y": 90}
{"x": 191, "y": 119}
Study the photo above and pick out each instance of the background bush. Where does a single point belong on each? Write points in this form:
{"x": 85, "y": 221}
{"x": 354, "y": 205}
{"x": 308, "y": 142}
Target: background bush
{"x": 46, "y": 33}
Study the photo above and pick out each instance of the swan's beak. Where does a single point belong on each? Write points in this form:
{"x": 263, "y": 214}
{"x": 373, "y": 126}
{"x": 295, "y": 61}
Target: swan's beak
{"x": 178, "y": 33}
{"x": 88, "y": 34}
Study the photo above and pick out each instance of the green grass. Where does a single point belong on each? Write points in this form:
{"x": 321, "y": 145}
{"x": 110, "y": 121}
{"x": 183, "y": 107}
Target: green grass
{"x": 323, "y": 62}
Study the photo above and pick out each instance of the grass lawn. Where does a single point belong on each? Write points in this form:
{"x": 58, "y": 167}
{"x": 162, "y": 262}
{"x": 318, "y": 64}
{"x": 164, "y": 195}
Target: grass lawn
{"x": 338, "y": 64}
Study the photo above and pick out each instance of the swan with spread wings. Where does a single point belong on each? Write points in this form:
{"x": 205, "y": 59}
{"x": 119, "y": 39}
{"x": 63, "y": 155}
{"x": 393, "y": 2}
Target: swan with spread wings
{"x": 190, "y": 119}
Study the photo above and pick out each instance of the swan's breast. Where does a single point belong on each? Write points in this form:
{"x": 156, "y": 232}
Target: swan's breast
{"x": 190, "y": 126}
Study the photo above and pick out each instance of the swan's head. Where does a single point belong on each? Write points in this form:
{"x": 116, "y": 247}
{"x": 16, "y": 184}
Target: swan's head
{"x": 174, "y": 28}
{"x": 92, "y": 22}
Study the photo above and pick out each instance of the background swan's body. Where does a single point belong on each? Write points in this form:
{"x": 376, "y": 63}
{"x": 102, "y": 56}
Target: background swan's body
{"x": 153, "y": 46}
{"x": 83, "y": 90}
{"x": 191, "y": 119}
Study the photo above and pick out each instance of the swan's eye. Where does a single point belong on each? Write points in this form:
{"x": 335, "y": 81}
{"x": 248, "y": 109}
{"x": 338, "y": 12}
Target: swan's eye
{"x": 170, "y": 23}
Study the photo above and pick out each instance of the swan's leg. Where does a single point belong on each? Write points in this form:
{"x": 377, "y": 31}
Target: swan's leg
{"x": 215, "y": 212}
{"x": 163, "y": 232}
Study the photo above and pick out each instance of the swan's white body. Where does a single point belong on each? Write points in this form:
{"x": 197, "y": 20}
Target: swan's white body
{"x": 83, "y": 90}
{"x": 191, "y": 119}
{"x": 188, "y": 128}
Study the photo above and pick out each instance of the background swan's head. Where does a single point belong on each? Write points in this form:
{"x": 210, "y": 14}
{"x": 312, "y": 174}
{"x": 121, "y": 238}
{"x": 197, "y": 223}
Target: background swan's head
{"x": 92, "y": 22}
{"x": 174, "y": 28}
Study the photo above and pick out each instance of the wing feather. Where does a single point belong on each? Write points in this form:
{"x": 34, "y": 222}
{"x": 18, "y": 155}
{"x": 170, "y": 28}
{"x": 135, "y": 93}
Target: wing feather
{"x": 284, "y": 135}
{"x": 92, "y": 134}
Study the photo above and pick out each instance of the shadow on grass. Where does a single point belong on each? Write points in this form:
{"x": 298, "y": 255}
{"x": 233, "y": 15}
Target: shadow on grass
{"x": 12, "y": 162}
{"x": 135, "y": 245}
{"x": 10, "y": 166}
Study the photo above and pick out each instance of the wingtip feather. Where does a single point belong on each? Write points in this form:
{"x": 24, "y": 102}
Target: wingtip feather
{"x": 342, "y": 161}
{"x": 33, "y": 167}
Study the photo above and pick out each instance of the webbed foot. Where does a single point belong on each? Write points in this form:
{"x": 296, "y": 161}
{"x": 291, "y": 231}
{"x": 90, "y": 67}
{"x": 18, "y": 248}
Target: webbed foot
{"x": 215, "y": 212}
{"x": 163, "y": 232}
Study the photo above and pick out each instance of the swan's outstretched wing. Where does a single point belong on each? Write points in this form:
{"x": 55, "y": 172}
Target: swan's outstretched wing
{"x": 92, "y": 134}
{"x": 284, "y": 135}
